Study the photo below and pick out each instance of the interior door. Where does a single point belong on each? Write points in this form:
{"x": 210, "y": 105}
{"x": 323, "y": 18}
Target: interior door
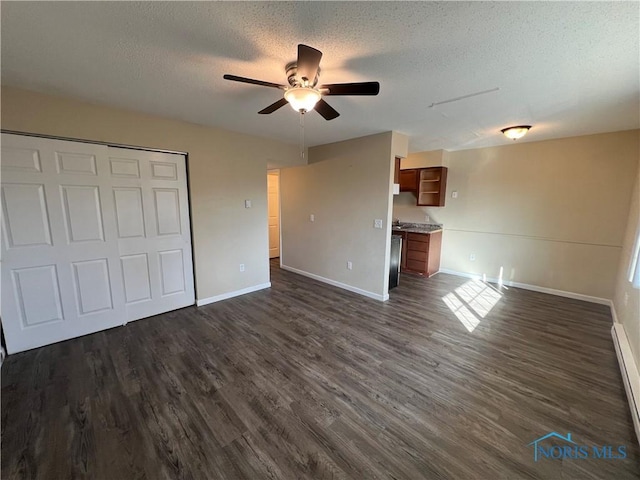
{"x": 273, "y": 205}
{"x": 152, "y": 227}
{"x": 70, "y": 216}
{"x": 60, "y": 265}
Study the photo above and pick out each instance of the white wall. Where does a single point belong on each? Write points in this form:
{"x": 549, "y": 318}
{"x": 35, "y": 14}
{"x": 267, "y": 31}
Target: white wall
{"x": 225, "y": 168}
{"x": 346, "y": 186}
{"x": 626, "y": 300}
{"x": 550, "y": 214}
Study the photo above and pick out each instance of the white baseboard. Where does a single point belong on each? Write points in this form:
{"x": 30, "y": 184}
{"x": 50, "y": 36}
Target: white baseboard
{"x": 630, "y": 375}
{"x": 534, "y": 288}
{"x": 206, "y": 301}
{"x": 614, "y": 315}
{"x": 344, "y": 286}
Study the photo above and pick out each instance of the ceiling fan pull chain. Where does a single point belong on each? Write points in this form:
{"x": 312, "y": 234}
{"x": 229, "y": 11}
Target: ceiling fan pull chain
{"x": 301, "y": 134}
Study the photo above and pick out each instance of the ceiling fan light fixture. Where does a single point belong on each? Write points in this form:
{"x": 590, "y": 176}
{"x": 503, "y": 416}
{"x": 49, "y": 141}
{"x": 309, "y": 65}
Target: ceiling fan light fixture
{"x": 514, "y": 133}
{"x": 302, "y": 99}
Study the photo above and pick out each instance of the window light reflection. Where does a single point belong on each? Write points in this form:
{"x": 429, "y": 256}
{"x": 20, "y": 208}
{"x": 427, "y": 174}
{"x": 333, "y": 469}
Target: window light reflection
{"x": 472, "y": 302}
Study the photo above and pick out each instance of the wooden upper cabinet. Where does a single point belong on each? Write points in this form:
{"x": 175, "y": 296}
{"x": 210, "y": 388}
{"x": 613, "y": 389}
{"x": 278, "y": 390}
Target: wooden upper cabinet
{"x": 396, "y": 171}
{"x": 409, "y": 180}
{"x": 432, "y": 186}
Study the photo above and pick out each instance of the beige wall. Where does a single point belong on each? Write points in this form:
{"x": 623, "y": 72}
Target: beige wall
{"x": 432, "y": 158}
{"x": 346, "y": 186}
{"x": 551, "y": 214}
{"x": 626, "y": 300}
{"x": 225, "y": 168}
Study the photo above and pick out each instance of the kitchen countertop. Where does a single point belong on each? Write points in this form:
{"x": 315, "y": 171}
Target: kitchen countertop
{"x": 417, "y": 227}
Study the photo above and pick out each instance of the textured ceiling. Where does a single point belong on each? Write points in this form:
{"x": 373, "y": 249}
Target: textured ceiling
{"x": 566, "y": 68}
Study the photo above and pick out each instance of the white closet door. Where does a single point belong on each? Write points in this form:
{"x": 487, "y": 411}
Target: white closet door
{"x": 69, "y": 215}
{"x": 154, "y": 240}
{"x": 60, "y": 264}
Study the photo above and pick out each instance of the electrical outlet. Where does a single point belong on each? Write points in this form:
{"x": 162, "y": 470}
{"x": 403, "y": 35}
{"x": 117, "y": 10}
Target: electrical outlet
{"x": 427, "y": 219}
{"x": 472, "y": 257}
{"x": 349, "y": 266}
{"x": 454, "y": 194}
{"x": 626, "y": 298}
{"x": 312, "y": 218}
{"x": 377, "y": 223}
{"x": 247, "y": 204}
{"x": 242, "y": 267}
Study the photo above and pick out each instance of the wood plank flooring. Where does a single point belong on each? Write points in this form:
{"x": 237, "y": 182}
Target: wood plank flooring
{"x": 304, "y": 380}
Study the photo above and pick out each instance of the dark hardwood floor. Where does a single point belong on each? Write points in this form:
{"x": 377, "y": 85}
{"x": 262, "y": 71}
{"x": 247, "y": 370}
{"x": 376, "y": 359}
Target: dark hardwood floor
{"x": 304, "y": 380}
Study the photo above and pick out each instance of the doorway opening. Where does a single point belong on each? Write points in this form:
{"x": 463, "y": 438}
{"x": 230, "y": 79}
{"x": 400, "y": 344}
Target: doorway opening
{"x": 273, "y": 209}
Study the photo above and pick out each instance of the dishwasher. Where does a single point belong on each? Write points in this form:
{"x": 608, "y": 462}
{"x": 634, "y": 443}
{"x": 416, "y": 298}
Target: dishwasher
{"x": 394, "y": 262}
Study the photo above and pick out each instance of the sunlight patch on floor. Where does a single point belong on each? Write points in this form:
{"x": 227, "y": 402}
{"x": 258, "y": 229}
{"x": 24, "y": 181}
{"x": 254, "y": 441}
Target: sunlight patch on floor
{"x": 471, "y": 302}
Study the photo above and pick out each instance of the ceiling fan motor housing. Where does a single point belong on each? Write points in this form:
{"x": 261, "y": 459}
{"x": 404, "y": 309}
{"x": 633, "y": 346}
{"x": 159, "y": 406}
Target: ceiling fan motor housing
{"x": 296, "y": 81}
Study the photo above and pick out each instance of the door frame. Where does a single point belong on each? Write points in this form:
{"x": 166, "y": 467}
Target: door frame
{"x": 132, "y": 147}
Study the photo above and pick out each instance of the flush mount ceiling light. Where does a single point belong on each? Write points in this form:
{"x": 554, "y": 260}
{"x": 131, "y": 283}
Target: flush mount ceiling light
{"x": 302, "y": 99}
{"x": 516, "y": 132}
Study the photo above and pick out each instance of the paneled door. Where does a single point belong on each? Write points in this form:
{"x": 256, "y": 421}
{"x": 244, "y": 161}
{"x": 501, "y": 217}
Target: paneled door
{"x": 153, "y": 231}
{"x": 92, "y": 237}
{"x": 273, "y": 205}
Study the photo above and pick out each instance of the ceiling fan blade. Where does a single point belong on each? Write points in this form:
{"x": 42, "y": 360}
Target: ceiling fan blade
{"x": 235, "y": 78}
{"x": 308, "y": 62}
{"x": 326, "y": 110}
{"x": 361, "y": 88}
{"x": 273, "y": 107}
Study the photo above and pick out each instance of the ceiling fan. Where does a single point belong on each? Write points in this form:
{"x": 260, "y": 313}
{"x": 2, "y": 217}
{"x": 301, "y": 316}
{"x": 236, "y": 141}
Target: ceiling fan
{"x": 303, "y": 92}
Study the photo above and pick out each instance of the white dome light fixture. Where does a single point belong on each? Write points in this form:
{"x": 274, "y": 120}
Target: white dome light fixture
{"x": 514, "y": 133}
{"x": 302, "y": 99}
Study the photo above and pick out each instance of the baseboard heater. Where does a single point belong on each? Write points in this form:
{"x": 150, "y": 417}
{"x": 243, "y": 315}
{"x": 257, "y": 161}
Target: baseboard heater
{"x": 630, "y": 375}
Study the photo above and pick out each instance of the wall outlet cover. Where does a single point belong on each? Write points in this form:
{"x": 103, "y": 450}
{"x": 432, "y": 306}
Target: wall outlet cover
{"x": 247, "y": 204}
{"x": 242, "y": 267}
{"x": 377, "y": 223}
{"x": 312, "y": 218}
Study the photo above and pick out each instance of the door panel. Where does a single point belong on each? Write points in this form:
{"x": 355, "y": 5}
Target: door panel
{"x": 154, "y": 238}
{"x": 58, "y": 254}
{"x": 273, "y": 205}
{"x": 21, "y": 159}
{"x": 137, "y": 281}
{"x": 93, "y": 286}
{"x": 93, "y": 237}
{"x": 129, "y": 212}
{"x": 171, "y": 272}
{"x": 167, "y": 209}
{"x": 82, "y": 213}
{"x": 37, "y": 292}
{"x": 76, "y": 163}
{"x": 25, "y": 215}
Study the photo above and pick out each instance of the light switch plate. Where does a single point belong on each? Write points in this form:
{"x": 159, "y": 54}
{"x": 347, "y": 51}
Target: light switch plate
{"x": 312, "y": 218}
{"x": 247, "y": 204}
{"x": 377, "y": 223}
{"x": 454, "y": 194}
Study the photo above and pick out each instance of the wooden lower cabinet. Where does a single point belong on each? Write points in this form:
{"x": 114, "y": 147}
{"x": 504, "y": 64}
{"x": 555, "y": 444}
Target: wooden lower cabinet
{"x": 420, "y": 252}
